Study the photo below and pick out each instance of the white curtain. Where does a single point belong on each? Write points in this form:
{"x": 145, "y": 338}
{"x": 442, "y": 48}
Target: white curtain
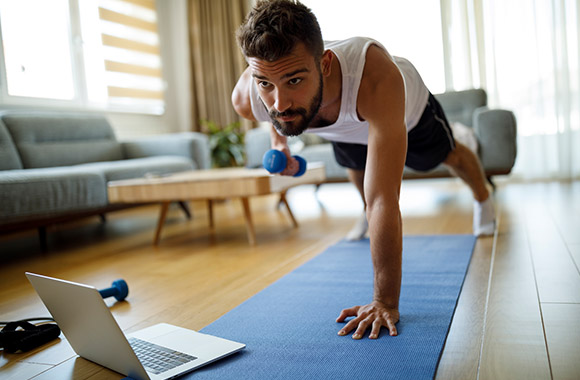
{"x": 525, "y": 53}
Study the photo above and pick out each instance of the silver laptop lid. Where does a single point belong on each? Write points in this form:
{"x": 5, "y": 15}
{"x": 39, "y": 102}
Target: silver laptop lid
{"x": 87, "y": 323}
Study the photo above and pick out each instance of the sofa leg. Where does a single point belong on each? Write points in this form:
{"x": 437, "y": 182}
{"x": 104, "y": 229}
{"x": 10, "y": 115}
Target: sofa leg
{"x": 103, "y": 218}
{"x": 185, "y": 209}
{"x": 42, "y": 238}
{"x": 491, "y": 183}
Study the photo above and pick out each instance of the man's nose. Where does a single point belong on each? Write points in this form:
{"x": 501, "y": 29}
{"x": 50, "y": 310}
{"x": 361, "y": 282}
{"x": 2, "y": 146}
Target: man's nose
{"x": 282, "y": 101}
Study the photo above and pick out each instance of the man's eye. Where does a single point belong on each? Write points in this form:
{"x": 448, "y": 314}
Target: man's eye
{"x": 295, "y": 80}
{"x": 264, "y": 84}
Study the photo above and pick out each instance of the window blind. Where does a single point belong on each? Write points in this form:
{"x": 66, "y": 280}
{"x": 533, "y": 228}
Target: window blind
{"x": 132, "y": 59}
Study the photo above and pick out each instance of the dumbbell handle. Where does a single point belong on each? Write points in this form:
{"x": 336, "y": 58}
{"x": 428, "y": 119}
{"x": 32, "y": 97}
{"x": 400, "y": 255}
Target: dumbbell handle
{"x": 119, "y": 290}
{"x": 275, "y": 162}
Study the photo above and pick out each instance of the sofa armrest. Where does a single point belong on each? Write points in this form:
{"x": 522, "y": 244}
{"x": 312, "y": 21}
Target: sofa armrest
{"x": 257, "y": 142}
{"x": 193, "y": 145}
{"x": 496, "y": 132}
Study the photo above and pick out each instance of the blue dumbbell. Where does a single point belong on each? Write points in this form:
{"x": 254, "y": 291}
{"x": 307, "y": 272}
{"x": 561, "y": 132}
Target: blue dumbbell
{"x": 119, "y": 290}
{"x": 275, "y": 161}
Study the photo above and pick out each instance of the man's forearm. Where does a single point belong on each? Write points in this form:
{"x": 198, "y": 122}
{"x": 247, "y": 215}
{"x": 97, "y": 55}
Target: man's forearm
{"x": 277, "y": 141}
{"x": 386, "y": 250}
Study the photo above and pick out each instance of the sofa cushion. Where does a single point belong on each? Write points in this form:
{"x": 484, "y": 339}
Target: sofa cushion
{"x": 43, "y": 192}
{"x": 460, "y": 105}
{"x": 8, "y": 154}
{"x": 53, "y": 139}
{"x": 312, "y": 139}
{"x": 325, "y": 154}
{"x": 139, "y": 167}
{"x": 193, "y": 145}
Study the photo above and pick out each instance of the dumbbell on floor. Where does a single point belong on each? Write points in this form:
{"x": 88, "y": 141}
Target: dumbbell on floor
{"x": 119, "y": 290}
{"x": 275, "y": 161}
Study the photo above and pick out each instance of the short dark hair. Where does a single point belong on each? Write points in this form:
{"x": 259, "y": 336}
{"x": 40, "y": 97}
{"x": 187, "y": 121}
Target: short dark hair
{"x": 273, "y": 28}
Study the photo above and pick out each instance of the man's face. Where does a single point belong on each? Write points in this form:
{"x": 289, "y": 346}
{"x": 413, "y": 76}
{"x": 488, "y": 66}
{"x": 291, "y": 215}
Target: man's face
{"x": 290, "y": 89}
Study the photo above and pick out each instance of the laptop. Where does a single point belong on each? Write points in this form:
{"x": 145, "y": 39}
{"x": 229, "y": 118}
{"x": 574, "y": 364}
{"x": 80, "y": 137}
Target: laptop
{"x": 161, "y": 351}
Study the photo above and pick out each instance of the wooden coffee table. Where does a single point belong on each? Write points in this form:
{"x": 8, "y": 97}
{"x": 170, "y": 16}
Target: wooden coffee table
{"x": 211, "y": 185}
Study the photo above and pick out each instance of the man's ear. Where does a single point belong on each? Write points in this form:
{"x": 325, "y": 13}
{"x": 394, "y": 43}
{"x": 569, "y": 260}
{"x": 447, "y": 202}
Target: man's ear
{"x": 326, "y": 62}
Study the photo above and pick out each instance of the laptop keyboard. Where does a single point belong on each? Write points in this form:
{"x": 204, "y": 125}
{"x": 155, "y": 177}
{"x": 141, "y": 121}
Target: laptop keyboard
{"x": 158, "y": 359}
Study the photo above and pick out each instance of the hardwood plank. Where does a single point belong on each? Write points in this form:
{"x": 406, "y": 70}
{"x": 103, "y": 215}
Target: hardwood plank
{"x": 564, "y": 207}
{"x": 514, "y": 345}
{"x": 78, "y": 368}
{"x": 15, "y": 370}
{"x": 48, "y": 355}
{"x": 460, "y": 359}
{"x": 556, "y": 273}
{"x": 557, "y": 276}
{"x": 563, "y": 336}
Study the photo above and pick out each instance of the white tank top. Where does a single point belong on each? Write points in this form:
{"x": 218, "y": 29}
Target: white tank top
{"x": 348, "y": 127}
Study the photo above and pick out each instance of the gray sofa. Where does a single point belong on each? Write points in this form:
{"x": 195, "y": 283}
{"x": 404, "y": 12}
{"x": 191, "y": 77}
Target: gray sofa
{"x": 55, "y": 166}
{"x": 494, "y": 130}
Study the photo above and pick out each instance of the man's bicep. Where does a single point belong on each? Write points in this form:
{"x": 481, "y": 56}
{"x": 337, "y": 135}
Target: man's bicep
{"x": 381, "y": 102}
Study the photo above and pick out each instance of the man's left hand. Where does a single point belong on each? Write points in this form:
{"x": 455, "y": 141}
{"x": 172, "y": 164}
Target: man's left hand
{"x": 374, "y": 315}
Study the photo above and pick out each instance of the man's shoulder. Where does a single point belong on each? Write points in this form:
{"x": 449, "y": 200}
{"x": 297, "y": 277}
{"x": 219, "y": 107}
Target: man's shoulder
{"x": 381, "y": 80}
{"x": 379, "y": 64}
{"x": 356, "y": 40}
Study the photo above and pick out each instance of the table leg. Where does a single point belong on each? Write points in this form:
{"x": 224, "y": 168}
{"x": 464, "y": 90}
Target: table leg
{"x": 210, "y": 215}
{"x": 185, "y": 207}
{"x": 285, "y": 201}
{"x": 161, "y": 221}
{"x": 249, "y": 224}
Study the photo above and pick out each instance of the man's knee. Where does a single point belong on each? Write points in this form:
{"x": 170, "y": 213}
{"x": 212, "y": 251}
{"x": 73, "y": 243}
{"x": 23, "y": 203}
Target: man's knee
{"x": 453, "y": 158}
{"x": 461, "y": 154}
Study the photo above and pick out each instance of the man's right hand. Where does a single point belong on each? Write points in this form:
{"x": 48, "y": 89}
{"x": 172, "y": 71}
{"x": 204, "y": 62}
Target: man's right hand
{"x": 374, "y": 315}
{"x": 292, "y": 165}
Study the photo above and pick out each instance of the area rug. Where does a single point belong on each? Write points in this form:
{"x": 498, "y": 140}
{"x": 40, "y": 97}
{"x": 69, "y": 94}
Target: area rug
{"x": 290, "y": 330}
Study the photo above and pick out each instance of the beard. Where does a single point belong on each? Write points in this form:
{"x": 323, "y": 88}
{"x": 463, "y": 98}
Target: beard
{"x": 298, "y": 126}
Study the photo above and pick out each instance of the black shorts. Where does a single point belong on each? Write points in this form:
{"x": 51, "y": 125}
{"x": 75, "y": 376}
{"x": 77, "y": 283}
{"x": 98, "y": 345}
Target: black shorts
{"x": 428, "y": 143}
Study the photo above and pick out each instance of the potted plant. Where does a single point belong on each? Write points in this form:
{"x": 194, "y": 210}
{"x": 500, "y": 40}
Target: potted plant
{"x": 226, "y": 144}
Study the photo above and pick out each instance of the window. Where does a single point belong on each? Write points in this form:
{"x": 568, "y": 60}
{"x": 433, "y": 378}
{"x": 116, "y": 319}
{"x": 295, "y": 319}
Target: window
{"x": 88, "y": 53}
{"x": 37, "y": 53}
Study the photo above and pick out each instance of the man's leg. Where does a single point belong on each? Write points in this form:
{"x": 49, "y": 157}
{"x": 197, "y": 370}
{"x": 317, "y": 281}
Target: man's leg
{"x": 431, "y": 142}
{"x": 353, "y": 157}
{"x": 359, "y": 230}
{"x": 463, "y": 163}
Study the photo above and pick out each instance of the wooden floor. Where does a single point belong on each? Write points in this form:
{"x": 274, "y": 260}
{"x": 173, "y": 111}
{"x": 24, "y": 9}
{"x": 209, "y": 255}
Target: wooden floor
{"x": 518, "y": 316}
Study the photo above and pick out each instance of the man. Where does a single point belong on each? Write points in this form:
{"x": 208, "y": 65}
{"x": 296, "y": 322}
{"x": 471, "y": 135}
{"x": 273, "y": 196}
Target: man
{"x": 379, "y": 116}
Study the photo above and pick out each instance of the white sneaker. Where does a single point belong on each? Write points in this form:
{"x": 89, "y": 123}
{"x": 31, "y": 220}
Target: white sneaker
{"x": 359, "y": 230}
{"x": 483, "y": 218}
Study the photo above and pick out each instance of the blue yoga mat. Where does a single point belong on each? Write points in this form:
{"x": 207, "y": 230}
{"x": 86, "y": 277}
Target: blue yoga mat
{"x": 290, "y": 330}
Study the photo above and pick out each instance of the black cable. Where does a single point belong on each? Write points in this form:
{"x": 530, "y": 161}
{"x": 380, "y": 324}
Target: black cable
{"x": 30, "y": 320}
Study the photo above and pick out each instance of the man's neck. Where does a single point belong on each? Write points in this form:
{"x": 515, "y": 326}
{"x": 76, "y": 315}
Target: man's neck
{"x": 331, "y": 97}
